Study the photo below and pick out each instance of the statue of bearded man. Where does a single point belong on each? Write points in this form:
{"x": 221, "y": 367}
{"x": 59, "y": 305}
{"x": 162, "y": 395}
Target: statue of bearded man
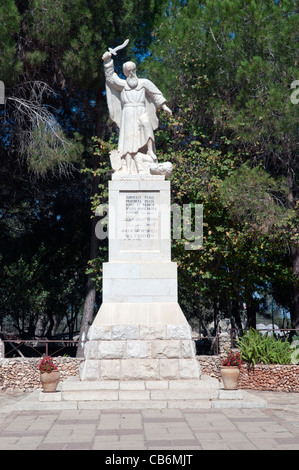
{"x": 133, "y": 104}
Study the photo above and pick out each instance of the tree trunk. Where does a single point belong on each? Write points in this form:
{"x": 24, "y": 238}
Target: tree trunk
{"x": 90, "y": 297}
{"x": 235, "y": 309}
{"x": 294, "y": 257}
{"x": 251, "y": 312}
{"x": 295, "y": 296}
{"x": 216, "y": 315}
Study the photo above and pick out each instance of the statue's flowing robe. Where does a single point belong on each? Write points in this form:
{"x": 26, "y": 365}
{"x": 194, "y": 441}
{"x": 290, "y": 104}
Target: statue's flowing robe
{"x": 133, "y": 110}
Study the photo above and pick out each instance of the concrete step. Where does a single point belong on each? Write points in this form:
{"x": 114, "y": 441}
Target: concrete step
{"x": 74, "y": 394}
{"x": 73, "y": 389}
{"x": 137, "y": 395}
{"x": 38, "y": 400}
{"x": 74, "y": 383}
{"x": 204, "y": 393}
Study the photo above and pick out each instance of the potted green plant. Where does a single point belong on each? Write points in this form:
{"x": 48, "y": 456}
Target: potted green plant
{"x": 49, "y": 374}
{"x": 230, "y": 370}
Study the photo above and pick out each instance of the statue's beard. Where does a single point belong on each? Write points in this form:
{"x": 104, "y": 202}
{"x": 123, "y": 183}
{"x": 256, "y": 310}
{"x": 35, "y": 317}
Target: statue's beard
{"x": 132, "y": 81}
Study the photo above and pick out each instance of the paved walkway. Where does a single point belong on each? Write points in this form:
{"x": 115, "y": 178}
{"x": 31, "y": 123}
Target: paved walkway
{"x": 275, "y": 427}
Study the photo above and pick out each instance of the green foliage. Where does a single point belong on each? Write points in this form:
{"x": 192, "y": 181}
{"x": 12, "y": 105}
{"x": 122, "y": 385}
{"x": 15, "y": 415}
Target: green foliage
{"x": 295, "y": 351}
{"x": 256, "y": 348}
{"x": 10, "y": 64}
{"x": 48, "y": 149}
{"x": 51, "y": 62}
{"x": 28, "y": 298}
{"x": 237, "y": 258}
{"x": 99, "y": 204}
{"x": 41, "y": 279}
{"x": 102, "y": 172}
{"x": 36, "y": 58}
{"x": 259, "y": 202}
{"x": 232, "y": 64}
{"x": 228, "y": 66}
{"x": 253, "y": 196}
{"x": 79, "y": 32}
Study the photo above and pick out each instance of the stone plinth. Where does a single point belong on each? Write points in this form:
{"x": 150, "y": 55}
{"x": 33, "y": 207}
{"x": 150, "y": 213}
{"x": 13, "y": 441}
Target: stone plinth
{"x": 140, "y": 331}
{"x": 145, "y": 347}
{"x": 139, "y": 221}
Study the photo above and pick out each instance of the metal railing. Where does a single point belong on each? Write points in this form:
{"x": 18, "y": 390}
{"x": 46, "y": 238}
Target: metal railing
{"x": 40, "y": 347}
{"x": 205, "y": 345}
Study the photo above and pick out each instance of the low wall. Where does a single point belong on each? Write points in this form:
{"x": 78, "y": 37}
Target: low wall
{"x": 272, "y": 377}
{"x": 210, "y": 365}
{"x": 22, "y": 374}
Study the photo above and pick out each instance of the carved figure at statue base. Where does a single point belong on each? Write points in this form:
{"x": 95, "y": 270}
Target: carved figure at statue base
{"x": 141, "y": 163}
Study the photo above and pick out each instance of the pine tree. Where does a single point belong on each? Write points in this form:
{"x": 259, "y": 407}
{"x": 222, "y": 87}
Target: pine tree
{"x": 58, "y": 44}
{"x": 229, "y": 65}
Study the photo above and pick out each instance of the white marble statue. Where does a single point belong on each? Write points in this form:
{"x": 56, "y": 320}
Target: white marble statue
{"x": 133, "y": 104}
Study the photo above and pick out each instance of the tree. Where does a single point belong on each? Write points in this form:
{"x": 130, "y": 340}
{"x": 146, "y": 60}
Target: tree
{"x": 236, "y": 261}
{"x": 57, "y": 70}
{"x": 42, "y": 280}
{"x": 230, "y": 65}
{"x": 10, "y": 19}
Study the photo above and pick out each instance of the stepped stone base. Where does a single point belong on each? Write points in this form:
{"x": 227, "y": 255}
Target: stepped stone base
{"x": 139, "y": 369}
{"x": 114, "y": 394}
{"x": 153, "y": 343}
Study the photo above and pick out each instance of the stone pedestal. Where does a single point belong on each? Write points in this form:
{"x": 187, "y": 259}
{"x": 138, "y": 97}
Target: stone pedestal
{"x": 140, "y": 331}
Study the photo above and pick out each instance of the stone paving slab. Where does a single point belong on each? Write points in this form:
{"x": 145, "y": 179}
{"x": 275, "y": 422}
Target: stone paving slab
{"x": 144, "y": 432}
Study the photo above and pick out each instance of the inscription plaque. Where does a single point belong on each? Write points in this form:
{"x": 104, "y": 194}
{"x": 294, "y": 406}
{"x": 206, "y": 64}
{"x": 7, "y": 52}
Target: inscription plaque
{"x": 139, "y": 219}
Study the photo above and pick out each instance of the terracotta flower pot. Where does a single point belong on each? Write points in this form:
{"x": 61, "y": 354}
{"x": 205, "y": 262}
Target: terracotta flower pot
{"x": 230, "y": 377}
{"x": 50, "y": 380}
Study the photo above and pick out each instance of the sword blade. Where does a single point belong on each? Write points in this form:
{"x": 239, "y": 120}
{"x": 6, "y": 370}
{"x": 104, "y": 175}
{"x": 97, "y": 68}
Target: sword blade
{"x": 118, "y": 48}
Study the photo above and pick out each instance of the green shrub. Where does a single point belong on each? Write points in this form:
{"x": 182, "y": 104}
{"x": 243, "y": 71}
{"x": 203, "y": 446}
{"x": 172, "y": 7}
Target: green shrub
{"x": 256, "y": 348}
{"x": 295, "y": 350}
